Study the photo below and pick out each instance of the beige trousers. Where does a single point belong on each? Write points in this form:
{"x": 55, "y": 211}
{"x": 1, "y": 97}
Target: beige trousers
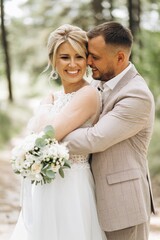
{"x": 138, "y": 232}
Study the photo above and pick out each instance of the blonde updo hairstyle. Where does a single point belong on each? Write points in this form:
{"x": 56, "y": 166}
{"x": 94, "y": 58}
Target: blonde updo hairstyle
{"x": 66, "y": 33}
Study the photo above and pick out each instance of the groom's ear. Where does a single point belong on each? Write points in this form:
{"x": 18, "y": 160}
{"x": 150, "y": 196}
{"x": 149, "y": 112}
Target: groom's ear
{"x": 120, "y": 57}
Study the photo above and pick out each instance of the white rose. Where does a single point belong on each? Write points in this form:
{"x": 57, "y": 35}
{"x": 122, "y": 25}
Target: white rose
{"x": 46, "y": 152}
{"x": 27, "y": 164}
{"x": 53, "y": 151}
{"x": 36, "y": 168}
{"x": 18, "y": 164}
{"x": 63, "y": 151}
{"x": 30, "y": 158}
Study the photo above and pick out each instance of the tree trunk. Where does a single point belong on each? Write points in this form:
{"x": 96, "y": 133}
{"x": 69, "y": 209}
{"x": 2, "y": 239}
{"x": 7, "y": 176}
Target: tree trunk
{"x": 6, "y": 53}
{"x": 98, "y": 8}
{"x": 111, "y": 8}
{"x": 134, "y": 8}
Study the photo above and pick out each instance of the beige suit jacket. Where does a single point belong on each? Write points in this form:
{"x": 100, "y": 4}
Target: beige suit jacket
{"x": 119, "y": 143}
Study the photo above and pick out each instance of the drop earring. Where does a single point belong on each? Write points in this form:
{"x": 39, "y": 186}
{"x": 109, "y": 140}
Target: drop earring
{"x": 53, "y": 75}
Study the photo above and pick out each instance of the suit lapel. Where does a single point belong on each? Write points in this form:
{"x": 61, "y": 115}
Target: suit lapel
{"x": 125, "y": 79}
{"x": 109, "y": 100}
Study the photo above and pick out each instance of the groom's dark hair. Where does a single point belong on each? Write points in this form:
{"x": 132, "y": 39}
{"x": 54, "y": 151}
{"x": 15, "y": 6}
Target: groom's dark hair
{"x": 113, "y": 33}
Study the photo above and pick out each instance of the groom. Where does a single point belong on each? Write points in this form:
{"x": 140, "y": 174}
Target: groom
{"x": 119, "y": 141}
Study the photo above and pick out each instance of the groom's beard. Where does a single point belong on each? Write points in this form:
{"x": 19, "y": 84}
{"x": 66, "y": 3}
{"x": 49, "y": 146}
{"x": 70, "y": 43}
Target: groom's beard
{"x": 105, "y": 77}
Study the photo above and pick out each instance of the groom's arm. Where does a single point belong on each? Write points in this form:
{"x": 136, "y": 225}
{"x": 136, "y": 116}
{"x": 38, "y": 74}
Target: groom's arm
{"x": 127, "y": 118}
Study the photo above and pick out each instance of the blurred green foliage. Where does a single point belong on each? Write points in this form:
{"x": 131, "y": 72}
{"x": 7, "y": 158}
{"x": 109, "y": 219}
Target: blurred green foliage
{"x": 147, "y": 61}
{"x": 154, "y": 151}
{"x": 13, "y": 120}
{"x": 5, "y": 122}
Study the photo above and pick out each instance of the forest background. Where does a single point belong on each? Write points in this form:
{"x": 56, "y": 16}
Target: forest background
{"x": 25, "y": 27}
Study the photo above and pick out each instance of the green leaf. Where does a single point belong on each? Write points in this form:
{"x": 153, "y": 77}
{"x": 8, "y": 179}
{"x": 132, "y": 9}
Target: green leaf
{"x": 43, "y": 171}
{"x": 50, "y": 174}
{"x": 40, "y": 142}
{"x": 48, "y": 180}
{"x": 67, "y": 164}
{"x": 61, "y": 172}
{"x": 49, "y": 131}
{"x": 16, "y": 172}
{"x": 46, "y": 166}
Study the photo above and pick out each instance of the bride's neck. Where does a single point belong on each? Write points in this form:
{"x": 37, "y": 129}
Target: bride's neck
{"x": 73, "y": 87}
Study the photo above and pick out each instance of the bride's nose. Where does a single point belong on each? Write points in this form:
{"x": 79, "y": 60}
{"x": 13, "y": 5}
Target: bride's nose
{"x": 72, "y": 62}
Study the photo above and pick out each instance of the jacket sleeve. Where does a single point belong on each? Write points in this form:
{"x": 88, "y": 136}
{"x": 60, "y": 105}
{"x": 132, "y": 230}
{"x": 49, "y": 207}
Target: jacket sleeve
{"x": 130, "y": 114}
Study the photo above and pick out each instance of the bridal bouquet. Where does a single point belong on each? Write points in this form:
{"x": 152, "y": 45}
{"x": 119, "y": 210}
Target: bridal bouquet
{"x": 40, "y": 157}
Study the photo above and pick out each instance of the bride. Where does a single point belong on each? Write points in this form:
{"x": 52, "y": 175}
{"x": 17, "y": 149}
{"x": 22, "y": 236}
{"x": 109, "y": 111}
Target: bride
{"x": 66, "y": 208}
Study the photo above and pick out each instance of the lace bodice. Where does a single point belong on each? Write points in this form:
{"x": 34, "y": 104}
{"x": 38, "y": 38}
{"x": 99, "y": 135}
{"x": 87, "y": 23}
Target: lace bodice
{"x": 60, "y": 100}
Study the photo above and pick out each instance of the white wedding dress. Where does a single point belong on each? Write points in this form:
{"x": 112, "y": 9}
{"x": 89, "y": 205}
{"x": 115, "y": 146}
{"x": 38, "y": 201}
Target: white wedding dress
{"x": 66, "y": 208}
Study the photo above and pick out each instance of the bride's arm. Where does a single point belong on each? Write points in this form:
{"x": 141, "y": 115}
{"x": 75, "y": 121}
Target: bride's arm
{"x": 83, "y": 106}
